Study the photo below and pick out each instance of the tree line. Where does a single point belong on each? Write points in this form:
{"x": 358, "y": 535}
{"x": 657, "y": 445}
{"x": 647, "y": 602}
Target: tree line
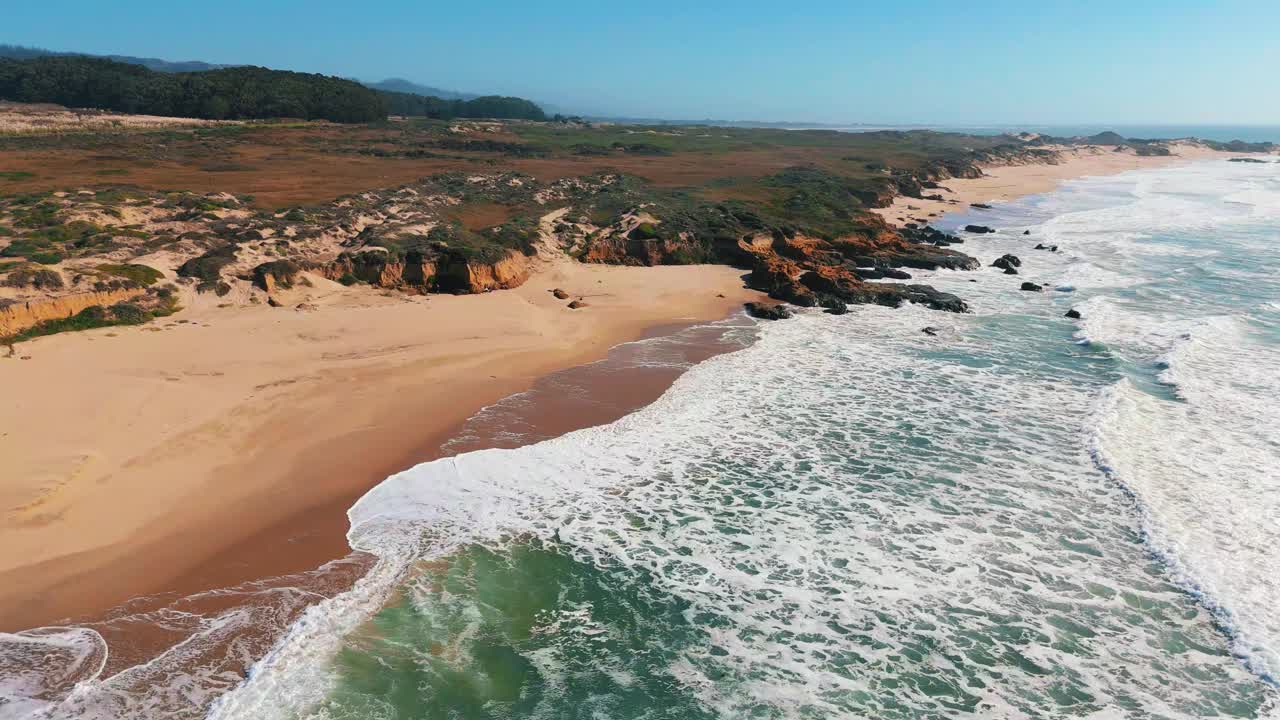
{"x": 234, "y": 93}
{"x": 488, "y": 106}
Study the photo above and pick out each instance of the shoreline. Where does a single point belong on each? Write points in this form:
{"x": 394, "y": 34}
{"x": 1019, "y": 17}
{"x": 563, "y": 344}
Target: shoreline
{"x": 214, "y": 444}
{"x": 370, "y": 401}
{"x": 274, "y": 441}
{"x": 1003, "y": 183}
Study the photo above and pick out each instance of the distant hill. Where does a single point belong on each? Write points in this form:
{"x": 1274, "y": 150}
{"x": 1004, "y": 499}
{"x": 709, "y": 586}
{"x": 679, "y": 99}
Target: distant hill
{"x": 230, "y": 93}
{"x": 19, "y": 52}
{"x": 400, "y": 85}
{"x": 233, "y": 93}
{"x": 1107, "y": 137}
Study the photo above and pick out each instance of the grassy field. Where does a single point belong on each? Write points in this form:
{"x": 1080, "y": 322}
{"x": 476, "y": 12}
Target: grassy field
{"x": 287, "y": 164}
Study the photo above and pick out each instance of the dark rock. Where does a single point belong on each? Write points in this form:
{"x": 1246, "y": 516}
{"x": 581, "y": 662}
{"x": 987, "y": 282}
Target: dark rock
{"x": 868, "y": 273}
{"x": 896, "y": 274}
{"x": 1247, "y": 160}
{"x": 560, "y": 294}
{"x": 978, "y": 229}
{"x": 1032, "y": 287}
{"x": 767, "y": 312}
{"x": 833, "y": 305}
{"x": 1026, "y": 232}
{"x": 1008, "y": 263}
{"x": 796, "y": 294}
{"x": 579, "y": 303}
{"x": 980, "y": 206}
{"x": 930, "y": 330}
{"x": 1073, "y": 313}
{"x": 272, "y": 301}
{"x": 926, "y": 258}
{"x": 927, "y": 296}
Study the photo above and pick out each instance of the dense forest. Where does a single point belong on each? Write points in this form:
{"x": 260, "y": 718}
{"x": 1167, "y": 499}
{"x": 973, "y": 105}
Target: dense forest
{"x": 236, "y": 93}
{"x": 233, "y": 93}
{"x": 488, "y": 106}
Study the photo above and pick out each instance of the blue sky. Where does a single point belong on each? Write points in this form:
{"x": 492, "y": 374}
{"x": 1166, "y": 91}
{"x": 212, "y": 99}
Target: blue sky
{"x": 951, "y": 62}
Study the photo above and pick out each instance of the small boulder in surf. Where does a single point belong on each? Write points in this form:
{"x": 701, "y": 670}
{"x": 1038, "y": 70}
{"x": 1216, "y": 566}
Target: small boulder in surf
{"x": 765, "y": 311}
{"x": 1008, "y": 263}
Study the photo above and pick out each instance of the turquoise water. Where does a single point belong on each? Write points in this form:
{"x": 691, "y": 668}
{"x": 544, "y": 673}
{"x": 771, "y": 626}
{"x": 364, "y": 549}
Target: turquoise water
{"x": 1221, "y": 133}
{"x": 1024, "y": 516}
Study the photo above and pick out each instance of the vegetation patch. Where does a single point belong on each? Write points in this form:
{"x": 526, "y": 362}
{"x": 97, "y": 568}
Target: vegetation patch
{"x": 32, "y": 276}
{"x": 143, "y": 275}
{"x": 208, "y": 267}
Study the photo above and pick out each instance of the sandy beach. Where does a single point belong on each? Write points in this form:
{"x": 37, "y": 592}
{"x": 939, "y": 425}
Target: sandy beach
{"x": 1002, "y": 183}
{"x": 134, "y": 457}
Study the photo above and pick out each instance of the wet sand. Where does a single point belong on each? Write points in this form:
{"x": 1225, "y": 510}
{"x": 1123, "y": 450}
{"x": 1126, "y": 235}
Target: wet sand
{"x": 308, "y": 553}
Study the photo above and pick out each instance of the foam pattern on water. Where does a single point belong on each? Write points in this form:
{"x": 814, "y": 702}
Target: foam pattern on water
{"x": 1021, "y": 517}
{"x": 1018, "y": 518}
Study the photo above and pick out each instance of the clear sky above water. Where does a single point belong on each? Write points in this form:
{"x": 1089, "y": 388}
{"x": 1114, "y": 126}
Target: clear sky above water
{"x": 841, "y": 61}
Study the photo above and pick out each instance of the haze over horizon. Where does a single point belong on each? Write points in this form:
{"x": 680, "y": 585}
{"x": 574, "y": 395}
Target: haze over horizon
{"x": 1176, "y": 62}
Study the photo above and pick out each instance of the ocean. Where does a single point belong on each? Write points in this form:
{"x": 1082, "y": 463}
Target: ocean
{"x": 1220, "y": 133}
{"x": 1019, "y": 516}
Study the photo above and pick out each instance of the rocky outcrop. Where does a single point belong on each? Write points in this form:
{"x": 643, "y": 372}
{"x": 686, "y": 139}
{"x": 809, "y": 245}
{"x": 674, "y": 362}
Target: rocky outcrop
{"x": 1031, "y": 287}
{"x": 19, "y": 316}
{"x": 766, "y": 311}
{"x": 457, "y": 274}
{"x": 978, "y": 229}
{"x": 444, "y": 271}
{"x": 379, "y": 269}
{"x": 277, "y": 273}
{"x": 1008, "y": 263}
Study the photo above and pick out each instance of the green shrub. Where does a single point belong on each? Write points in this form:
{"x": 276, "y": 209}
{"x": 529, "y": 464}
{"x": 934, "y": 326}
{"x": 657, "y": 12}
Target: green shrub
{"x": 644, "y": 231}
{"x": 208, "y": 267}
{"x": 41, "y": 279}
{"x": 46, "y": 258}
{"x": 129, "y": 314}
{"x": 141, "y": 274}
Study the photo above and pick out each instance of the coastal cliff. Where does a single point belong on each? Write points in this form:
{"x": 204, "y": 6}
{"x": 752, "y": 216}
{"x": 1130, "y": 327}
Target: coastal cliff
{"x": 19, "y": 316}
